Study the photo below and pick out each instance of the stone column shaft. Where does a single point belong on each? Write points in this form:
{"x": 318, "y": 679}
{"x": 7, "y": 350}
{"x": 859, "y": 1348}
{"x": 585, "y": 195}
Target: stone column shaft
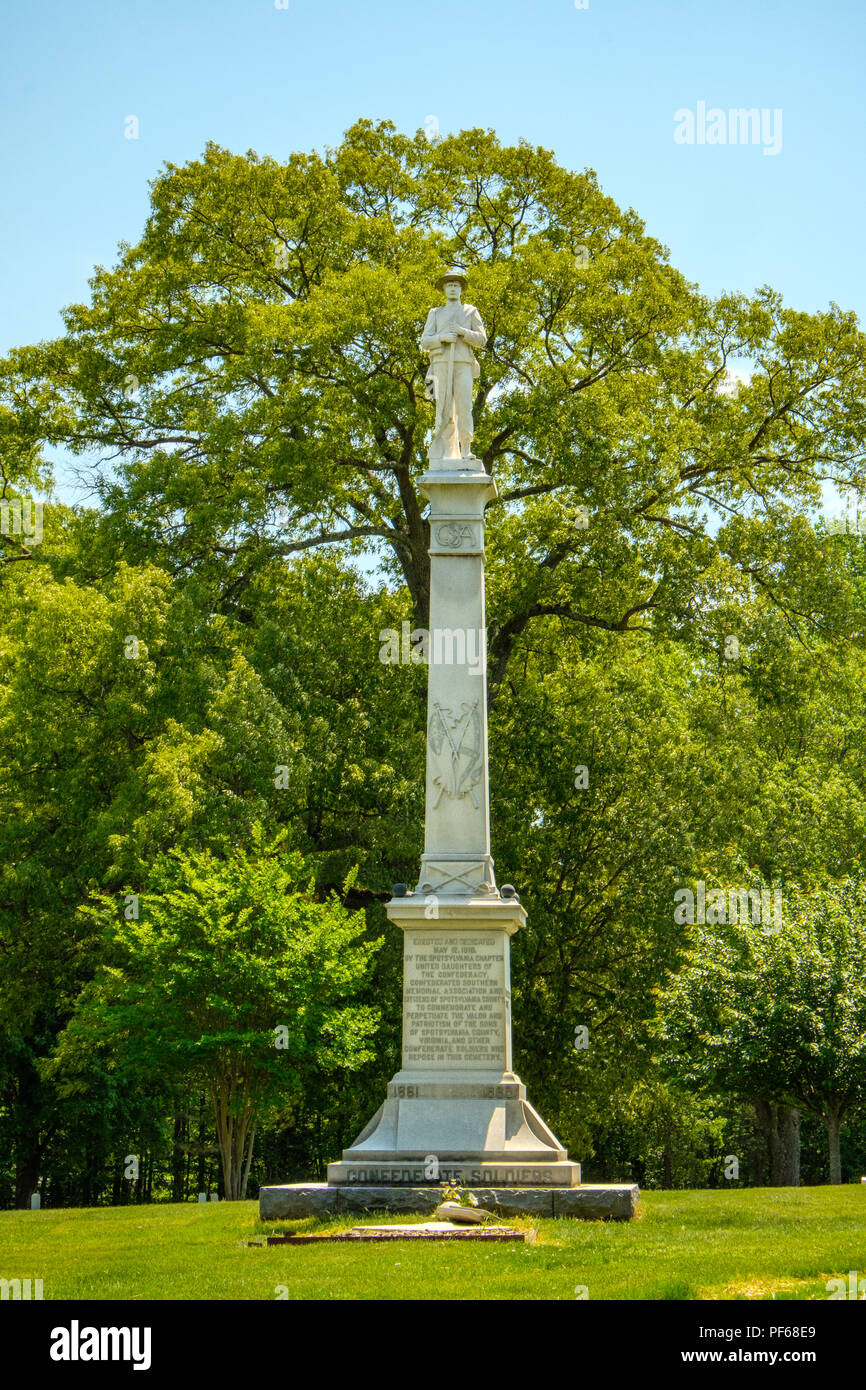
{"x": 457, "y": 817}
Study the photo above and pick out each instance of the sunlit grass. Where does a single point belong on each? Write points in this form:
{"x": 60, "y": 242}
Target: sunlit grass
{"x": 746, "y": 1244}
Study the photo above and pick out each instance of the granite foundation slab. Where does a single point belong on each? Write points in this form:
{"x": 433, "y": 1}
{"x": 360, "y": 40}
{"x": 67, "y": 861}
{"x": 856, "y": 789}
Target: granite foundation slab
{"x": 592, "y": 1201}
{"x": 597, "y": 1201}
{"x": 293, "y": 1201}
{"x": 425, "y": 1230}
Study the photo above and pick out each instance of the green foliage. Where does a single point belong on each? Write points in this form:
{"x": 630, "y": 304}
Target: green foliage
{"x": 777, "y": 1013}
{"x": 231, "y": 974}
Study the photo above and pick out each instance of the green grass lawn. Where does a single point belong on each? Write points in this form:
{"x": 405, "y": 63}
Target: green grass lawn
{"x": 745, "y": 1244}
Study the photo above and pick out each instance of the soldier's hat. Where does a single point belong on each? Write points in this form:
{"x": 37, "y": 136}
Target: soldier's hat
{"x": 454, "y": 272}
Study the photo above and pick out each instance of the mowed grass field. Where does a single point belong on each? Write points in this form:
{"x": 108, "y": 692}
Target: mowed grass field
{"x": 744, "y": 1244}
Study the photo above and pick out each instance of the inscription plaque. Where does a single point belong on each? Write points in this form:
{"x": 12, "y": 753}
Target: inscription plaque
{"x": 456, "y": 1001}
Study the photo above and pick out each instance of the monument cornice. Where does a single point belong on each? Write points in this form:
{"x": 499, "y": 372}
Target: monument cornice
{"x": 456, "y": 911}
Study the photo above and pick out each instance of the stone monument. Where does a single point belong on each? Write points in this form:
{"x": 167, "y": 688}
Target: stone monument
{"x": 456, "y": 1111}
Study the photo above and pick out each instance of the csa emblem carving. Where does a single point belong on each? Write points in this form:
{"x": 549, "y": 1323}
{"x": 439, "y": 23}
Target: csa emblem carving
{"x": 452, "y": 534}
{"x": 456, "y": 748}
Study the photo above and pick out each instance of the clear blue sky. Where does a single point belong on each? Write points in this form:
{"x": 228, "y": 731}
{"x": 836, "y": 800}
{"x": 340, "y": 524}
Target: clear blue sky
{"x": 598, "y": 86}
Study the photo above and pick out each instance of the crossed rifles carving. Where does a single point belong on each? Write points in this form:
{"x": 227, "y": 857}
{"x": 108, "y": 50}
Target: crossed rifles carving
{"x": 462, "y": 734}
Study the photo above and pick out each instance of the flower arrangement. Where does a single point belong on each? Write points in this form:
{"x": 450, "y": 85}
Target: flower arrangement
{"x": 458, "y": 1194}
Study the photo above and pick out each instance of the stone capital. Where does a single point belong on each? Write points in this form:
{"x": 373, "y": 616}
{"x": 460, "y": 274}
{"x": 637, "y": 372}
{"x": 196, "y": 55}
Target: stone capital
{"x": 457, "y": 492}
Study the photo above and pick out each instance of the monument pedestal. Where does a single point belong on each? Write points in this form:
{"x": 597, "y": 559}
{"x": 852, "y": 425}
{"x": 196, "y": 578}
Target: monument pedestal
{"x": 456, "y": 1112}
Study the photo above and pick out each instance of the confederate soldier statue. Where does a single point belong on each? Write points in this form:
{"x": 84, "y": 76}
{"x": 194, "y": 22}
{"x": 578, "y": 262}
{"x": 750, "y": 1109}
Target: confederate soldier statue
{"x": 449, "y": 336}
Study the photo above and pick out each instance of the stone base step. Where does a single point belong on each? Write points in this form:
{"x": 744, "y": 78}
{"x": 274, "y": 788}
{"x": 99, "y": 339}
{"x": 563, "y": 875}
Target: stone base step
{"x": 594, "y": 1201}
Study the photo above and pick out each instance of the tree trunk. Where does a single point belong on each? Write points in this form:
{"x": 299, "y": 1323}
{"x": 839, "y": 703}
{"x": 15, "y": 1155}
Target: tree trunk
{"x": 232, "y": 1126}
{"x": 27, "y": 1171}
{"x": 833, "y": 1120}
{"x": 789, "y": 1146}
{"x": 246, "y": 1175}
{"x": 224, "y": 1127}
{"x": 202, "y": 1134}
{"x": 177, "y": 1158}
{"x": 30, "y": 1146}
{"x": 780, "y": 1125}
